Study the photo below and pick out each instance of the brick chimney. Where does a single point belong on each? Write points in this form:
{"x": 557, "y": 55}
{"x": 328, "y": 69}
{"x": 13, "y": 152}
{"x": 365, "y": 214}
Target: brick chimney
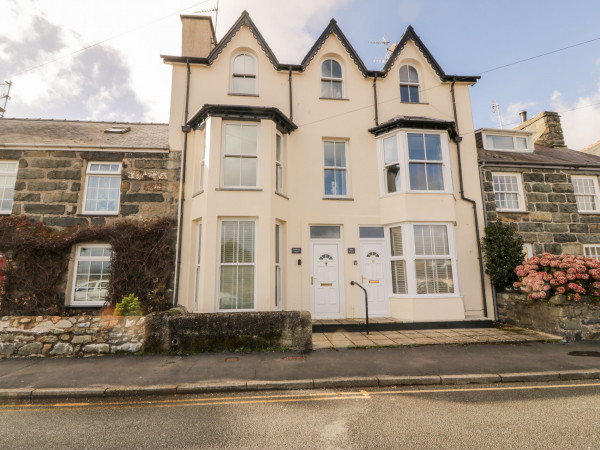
{"x": 198, "y": 36}
{"x": 547, "y": 128}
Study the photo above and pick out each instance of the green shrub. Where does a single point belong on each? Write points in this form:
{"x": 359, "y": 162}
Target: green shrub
{"x": 129, "y": 306}
{"x": 503, "y": 250}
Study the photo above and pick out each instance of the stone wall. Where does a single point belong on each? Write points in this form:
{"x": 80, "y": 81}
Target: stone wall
{"x": 551, "y": 223}
{"x": 50, "y": 185}
{"x": 40, "y": 336}
{"x": 572, "y": 320}
{"x": 193, "y": 333}
{"x": 547, "y": 128}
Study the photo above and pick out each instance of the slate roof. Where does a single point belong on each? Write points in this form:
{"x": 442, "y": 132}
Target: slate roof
{"x": 74, "y": 133}
{"x": 541, "y": 156}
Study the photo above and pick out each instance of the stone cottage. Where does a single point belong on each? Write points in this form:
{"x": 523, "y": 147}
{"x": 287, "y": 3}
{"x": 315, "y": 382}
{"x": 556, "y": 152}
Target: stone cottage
{"x": 64, "y": 173}
{"x": 530, "y": 178}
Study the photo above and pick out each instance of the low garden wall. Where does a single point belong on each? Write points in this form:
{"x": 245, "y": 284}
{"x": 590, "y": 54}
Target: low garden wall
{"x": 69, "y": 336}
{"x": 193, "y": 333}
{"x": 573, "y": 320}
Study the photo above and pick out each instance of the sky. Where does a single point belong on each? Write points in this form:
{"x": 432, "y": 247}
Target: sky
{"x": 74, "y": 59}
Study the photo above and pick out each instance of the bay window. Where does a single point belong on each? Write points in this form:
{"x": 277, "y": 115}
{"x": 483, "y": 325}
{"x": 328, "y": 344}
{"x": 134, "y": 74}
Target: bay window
{"x": 237, "y": 265}
{"x": 240, "y": 155}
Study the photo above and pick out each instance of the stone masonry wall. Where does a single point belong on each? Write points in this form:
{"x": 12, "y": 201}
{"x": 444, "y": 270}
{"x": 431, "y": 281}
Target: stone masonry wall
{"x": 551, "y": 223}
{"x": 572, "y": 320}
{"x": 40, "y": 336}
{"x": 50, "y": 185}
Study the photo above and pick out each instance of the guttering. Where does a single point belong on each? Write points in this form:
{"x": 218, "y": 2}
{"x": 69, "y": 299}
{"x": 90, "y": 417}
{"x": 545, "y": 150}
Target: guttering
{"x": 185, "y": 129}
{"x": 84, "y": 147}
{"x": 533, "y": 165}
{"x": 457, "y": 140}
{"x": 375, "y": 99}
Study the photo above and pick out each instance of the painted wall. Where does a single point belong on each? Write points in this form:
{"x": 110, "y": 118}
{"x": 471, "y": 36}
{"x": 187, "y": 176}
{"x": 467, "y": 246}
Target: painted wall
{"x": 319, "y": 119}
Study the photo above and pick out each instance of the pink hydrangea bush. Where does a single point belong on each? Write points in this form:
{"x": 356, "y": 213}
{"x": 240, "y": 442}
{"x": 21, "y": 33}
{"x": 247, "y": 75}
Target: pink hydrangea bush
{"x": 548, "y": 275}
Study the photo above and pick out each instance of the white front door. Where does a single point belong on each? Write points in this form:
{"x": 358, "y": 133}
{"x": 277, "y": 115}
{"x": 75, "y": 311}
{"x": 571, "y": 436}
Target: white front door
{"x": 325, "y": 280}
{"x": 373, "y": 277}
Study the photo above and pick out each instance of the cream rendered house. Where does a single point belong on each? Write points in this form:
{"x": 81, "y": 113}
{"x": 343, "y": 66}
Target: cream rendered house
{"x": 300, "y": 178}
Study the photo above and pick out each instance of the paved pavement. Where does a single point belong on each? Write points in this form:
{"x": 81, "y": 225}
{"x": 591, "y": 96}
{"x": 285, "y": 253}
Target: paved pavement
{"x": 432, "y": 364}
{"x": 346, "y": 339}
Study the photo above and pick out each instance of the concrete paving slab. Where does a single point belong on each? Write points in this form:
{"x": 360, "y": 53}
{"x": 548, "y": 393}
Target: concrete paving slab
{"x": 69, "y": 392}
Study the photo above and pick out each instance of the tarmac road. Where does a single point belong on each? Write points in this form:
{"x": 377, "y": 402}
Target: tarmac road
{"x": 514, "y": 415}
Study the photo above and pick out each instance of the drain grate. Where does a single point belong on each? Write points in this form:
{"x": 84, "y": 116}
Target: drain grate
{"x": 585, "y": 353}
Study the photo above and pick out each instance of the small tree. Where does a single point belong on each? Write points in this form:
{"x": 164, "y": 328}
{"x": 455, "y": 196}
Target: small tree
{"x": 503, "y": 250}
{"x": 129, "y": 306}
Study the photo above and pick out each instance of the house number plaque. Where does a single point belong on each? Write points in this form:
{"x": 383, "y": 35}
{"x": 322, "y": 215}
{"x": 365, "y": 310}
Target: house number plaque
{"x": 296, "y": 250}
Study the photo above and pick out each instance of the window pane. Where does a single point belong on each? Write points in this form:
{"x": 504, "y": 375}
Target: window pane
{"x": 412, "y": 75}
{"x": 330, "y": 182}
{"x": 228, "y": 287}
{"x": 246, "y": 242}
{"x": 249, "y": 139}
{"x": 418, "y": 180}
{"x": 435, "y": 177}
{"x": 248, "y": 171}
{"x": 326, "y": 69}
{"x": 336, "y": 69}
{"x": 433, "y": 144}
{"x": 329, "y": 153}
{"x": 434, "y": 276}
{"x": 278, "y": 147}
{"x": 340, "y": 154}
{"x": 522, "y": 143}
{"x": 325, "y": 232}
{"x": 229, "y": 252}
{"x": 392, "y": 178}
{"x": 231, "y": 171}
{"x": 396, "y": 245}
{"x": 336, "y": 89}
{"x": 277, "y": 242}
{"x": 404, "y": 74}
{"x": 390, "y": 150}
{"x": 245, "y": 297}
{"x": 500, "y": 142}
{"x": 416, "y": 146}
{"x": 279, "y": 179}
{"x": 326, "y": 90}
{"x": 340, "y": 182}
{"x": 370, "y": 232}
{"x": 413, "y": 94}
{"x": 431, "y": 240}
{"x": 404, "y": 94}
{"x": 399, "y": 277}
{"x": 233, "y": 139}
{"x": 238, "y": 64}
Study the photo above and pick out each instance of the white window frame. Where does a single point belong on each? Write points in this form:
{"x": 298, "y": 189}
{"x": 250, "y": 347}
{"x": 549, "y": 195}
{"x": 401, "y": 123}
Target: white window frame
{"x": 244, "y": 75}
{"x": 78, "y": 247}
{"x": 388, "y": 247}
{"x": 520, "y": 195}
{"x": 224, "y": 154}
{"x": 202, "y": 158}
{"x": 197, "y": 267}
{"x": 594, "y": 250}
{"x": 332, "y": 79}
{"x": 219, "y": 264}
{"x": 527, "y": 250}
{"x": 410, "y": 83}
{"x": 345, "y": 169}
{"x": 8, "y": 174}
{"x": 279, "y": 164}
{"x": 88, "y": 174}
{"x": 596, "y": 193}
{"x": 410, "y": 256}
{"x": 278, "y": 267}
{"x": 403, "y": 161}
{"x": 528, "y": 138}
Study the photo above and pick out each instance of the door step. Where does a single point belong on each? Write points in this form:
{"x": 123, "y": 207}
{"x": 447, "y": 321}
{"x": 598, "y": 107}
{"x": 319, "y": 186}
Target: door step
{"x": 326, "y": 326}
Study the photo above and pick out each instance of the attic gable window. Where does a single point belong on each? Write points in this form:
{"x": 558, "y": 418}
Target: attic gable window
{"x": 507, "y": 142}
{"x": 409, "y": 84}
{"x": 117, "y": 130}
{"x": 244, "y": 75}
{"x": 332, "y": 81}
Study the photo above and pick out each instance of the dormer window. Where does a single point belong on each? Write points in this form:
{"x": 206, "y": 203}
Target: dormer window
{"x": 244, "y": 75}
{"x": 332, "y": 81}
{"x": 409, "y": 84}
{"x": 510, "y": 142}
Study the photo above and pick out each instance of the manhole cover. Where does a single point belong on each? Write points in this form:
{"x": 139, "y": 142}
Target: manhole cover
{"x": 585, "y": 353}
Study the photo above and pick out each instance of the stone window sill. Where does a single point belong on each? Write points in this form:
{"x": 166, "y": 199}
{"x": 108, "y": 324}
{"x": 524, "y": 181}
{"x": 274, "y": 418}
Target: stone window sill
{"x": 238, "y": 189}
{"x": 347, "y": 199}
{"x": 331, "y": 98}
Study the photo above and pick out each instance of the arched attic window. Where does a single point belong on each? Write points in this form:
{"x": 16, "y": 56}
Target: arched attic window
{"x": 244, "y": 74}
{"x": 409, "y": 84}
{"x": 332, "y": 80}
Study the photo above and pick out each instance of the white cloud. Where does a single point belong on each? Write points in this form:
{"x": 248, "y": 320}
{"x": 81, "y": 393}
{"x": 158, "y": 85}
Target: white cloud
{"x": 579, "y": 118}
{"x": 511, "y": 118}
{"x": 137, "y": 31}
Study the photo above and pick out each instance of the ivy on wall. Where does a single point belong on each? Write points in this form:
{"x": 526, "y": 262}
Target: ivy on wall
{"x": 503, "y": 250}
{"x": 37, "y": 262}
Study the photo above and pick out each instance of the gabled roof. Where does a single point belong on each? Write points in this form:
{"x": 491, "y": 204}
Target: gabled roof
{"x": 44, "y": 133}
{"x": 332, "y": 28}
{"x": 540, "y": 157}
{"x": 410, "y": 34}
{"x": 244, "y": 112}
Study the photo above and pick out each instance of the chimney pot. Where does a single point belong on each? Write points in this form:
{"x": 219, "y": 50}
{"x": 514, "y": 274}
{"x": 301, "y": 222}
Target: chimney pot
{"x": 523, "y": 115}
